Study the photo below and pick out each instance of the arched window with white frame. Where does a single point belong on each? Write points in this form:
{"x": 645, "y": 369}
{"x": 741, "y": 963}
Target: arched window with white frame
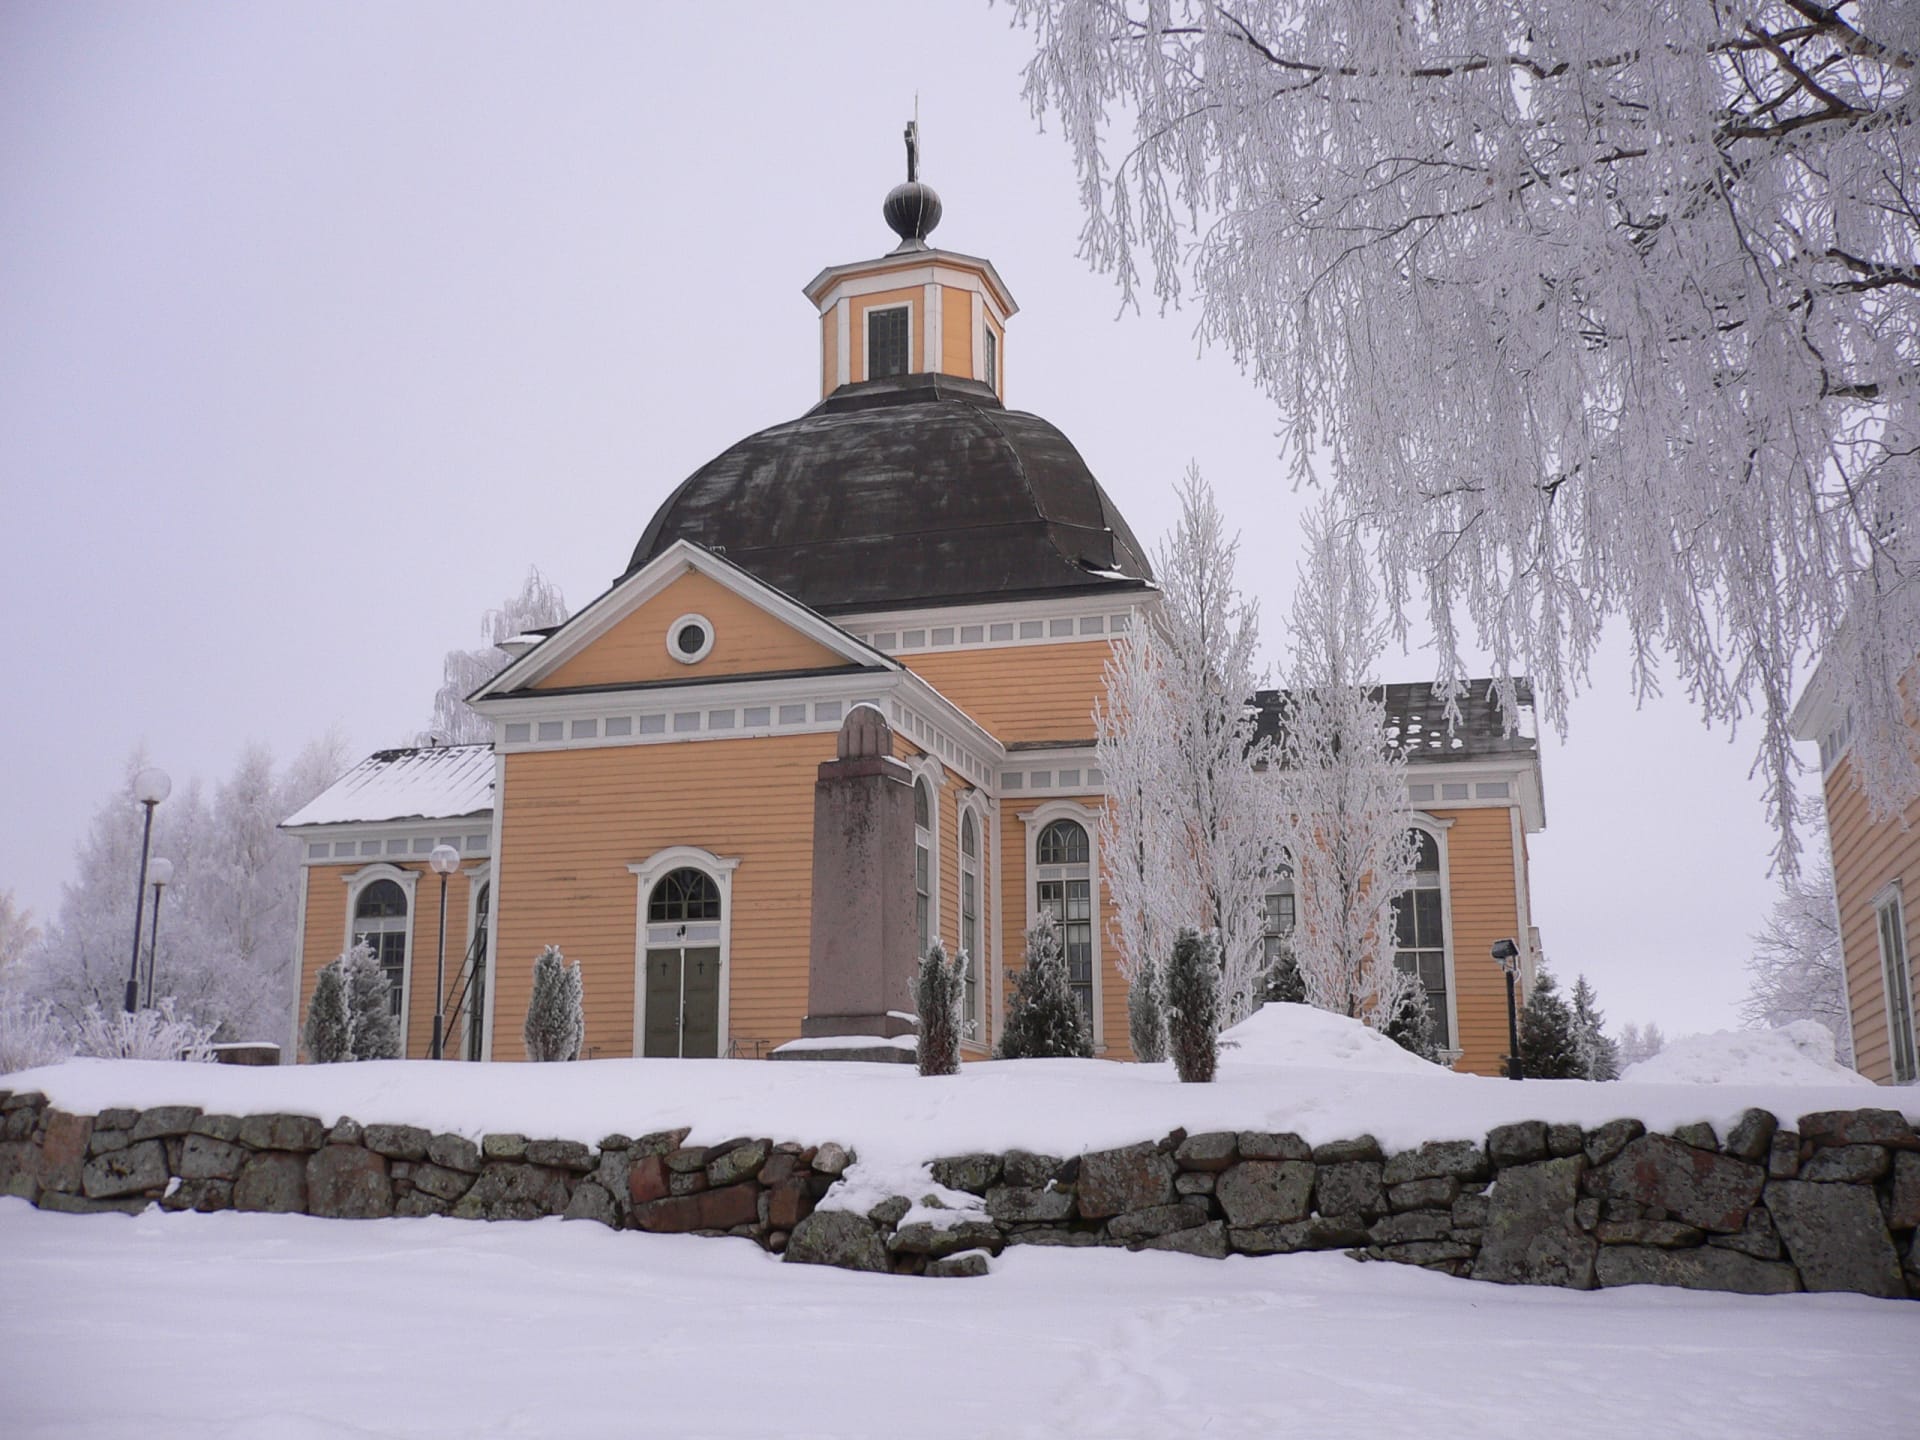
{"x": 1420, "y": 933}
{"x": 1063, "y": 889}
{"x": 380, "y": 922}
{"x": 970, "y": 892}
{"x": 923, "y": 873}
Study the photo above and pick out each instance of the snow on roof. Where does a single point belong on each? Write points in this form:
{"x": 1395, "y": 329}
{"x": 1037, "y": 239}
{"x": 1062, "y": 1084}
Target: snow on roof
{"x": 436, "y": 783}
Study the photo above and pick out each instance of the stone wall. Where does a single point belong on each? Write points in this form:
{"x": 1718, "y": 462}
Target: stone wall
{"x": 1833, "y": 1204}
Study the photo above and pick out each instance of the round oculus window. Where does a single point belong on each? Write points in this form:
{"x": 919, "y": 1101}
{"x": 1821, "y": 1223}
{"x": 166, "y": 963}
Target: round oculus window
{"x": 690, "y": 638}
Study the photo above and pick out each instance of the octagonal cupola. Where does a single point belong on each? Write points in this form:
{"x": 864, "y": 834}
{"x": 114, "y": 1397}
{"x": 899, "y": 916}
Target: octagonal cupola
{"x": 917, "y": 309}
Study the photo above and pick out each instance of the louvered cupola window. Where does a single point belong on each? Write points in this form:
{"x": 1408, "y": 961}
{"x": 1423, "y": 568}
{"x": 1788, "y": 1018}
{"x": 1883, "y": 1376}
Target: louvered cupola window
{"x": 888, "y": 341}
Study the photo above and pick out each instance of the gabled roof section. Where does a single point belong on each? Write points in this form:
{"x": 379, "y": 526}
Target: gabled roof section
{"x": 442, "y": 782}
{"x": 639, "y": 586}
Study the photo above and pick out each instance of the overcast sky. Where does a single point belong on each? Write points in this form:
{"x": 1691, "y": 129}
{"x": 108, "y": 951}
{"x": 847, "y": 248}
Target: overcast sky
{"x": 319, "y": 324}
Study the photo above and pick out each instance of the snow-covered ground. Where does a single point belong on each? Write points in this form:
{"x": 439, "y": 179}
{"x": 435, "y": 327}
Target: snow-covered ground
{"x": 1796, "y": 1054}
{"x": 256, "y": 1327}
{"x": 1290, "y": 1068}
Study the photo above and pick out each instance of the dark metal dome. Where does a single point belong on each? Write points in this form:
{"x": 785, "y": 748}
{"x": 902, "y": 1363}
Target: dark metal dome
{"x": 915, "y": 490}
{"x": 911, "y": 211}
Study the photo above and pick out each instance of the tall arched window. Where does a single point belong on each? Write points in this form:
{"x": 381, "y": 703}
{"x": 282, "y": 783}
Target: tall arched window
{"x": 923, "y": 864}
{"x": 970, "y": 917}
{"x": 380, "y": 923}
{"x": 1420, "y": 939}
{"x": 1063, "y": 888}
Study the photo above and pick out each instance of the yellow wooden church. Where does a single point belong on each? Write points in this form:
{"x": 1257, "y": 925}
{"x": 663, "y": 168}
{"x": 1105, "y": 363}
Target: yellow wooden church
{"x": 910, "y": 543}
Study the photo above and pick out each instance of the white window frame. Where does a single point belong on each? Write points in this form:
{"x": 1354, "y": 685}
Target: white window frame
{"x": 648, "y": 873}
{"x": 1896, "y": 968}
{"x": 990, "y": 358}
{"x": 1438, "y": 828}
{"x": 973, "y": 806}
{"x": 673, "y": 634}
{"x": 927, "y": 768}
{"x": 866, "y": 337}
{"x": 407, "y": 880}
{"x": 1036, "y": 821}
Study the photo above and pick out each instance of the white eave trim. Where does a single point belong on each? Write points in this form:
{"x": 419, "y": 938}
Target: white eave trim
{"x": 897, "y": 272}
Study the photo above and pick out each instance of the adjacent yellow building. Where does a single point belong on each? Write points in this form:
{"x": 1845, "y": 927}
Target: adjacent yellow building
{"x": 909, "y": 543}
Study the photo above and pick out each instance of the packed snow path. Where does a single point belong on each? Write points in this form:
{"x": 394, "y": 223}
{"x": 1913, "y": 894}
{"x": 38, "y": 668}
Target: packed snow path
{"x": 226, "y": 1326}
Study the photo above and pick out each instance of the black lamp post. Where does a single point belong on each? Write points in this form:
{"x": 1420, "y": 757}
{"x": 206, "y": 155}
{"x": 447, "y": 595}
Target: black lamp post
{"x": 444, "y": 860}
{"x": 1508, "y": 954}
{"x": 160, "y": 873}
{"x": 150, "y": 787}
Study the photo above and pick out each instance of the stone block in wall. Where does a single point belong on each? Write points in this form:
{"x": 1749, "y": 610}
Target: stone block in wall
{"x": 1531, "y": 1235}
{"x": 1610, "y": 1139}
{"x": 165, "y": 1120}
{"x": 1858, "y": 1127}
{"x": 282, "y": 1132}
{"x": 1439, "y": 1193}
{"x": 204, "y": 1158}
{"x": 1208, "y": 1241}
{"x": 1472, "y": 1210}
{"x": 439, "y": 1182}
{"x": 1194, "y": 1182}
{"x": 456, "y": 1152}
{"x": 1266, "y": 1145}
{"x": 1751, "y": 1135}
{"x": 709, "y": 1210}
{"x": 347, "y": 1131}
{"x": 686, "y": 1184}
{"x": 1157, "y": 1220}
{"x": 1350, "y": 1188}
{"x": 1836, "y": 1237}
{"x": 1213, "y": 1150}
{"x": 218, "y": 1127}
{"x": 1700, "y": 1135}
{"x": 971, "y": 1173}
{"x": 741, "y": 1162}
{"x": 1783, "y": 1155}
{"x": 417, "y": 1203}
{"x": 1758, "y": 1238}
{"x": 397, "y": 1142}
{"x": 1564, "y": 1140}
{"x": 1520, "y": 1143}
{"x": 789, "y": 1202}
{"x": 1409, "y": 1226}
{"x": 1341, "y": 1152}
{"x": 1462, "y": 1159}
{"x": 1049, "y": 1237}
{"x": 591, "y": 1202}
{"x": 117, "y": 1118}
{"x": 272, "y": 1182}
{"x": 647, "y": 1178}
{"x": 561, "y": 1155}
{"x": 19, "y": 1124}
{"x": 106, "y": 1141}
{"x": 687, "y": 1159}
{"x": 1662, "y": 1234}
{"x": 63, "y": 1151}
{"x": 348, "y": 1182}
{"x": 1133, "y": 1177}
{"x": 1846, "y": 1165}
{"x": 1023, "y": 1169}
{"x": 502, "y": 1145}
{"x": 22, "y": 1100}
{"x": 202, "y": 1196}
{"x": 1025, "y": 1204}
{"x": 890, "y": 1211}
{"x": 19, "y": 1168}
{"x": 1704, "y": 1268}
{"x": 510, "y": 1191}
{"x": 922, "y": 1238}
{"x": 1318, "y": 1233}
{"x": 64, "y": 1204}
{"x": 1265, "y": 1192}
{"x": 132, "y": 1171}
{"x": 1903, "y": 1208}
{"x": 1423, "y": 1252}
{"x": 838, "y": 1238}
{"x": 832, "y": 1159}
{"x": 966, "y": 1265}
{"x": 1702, "y": 1187}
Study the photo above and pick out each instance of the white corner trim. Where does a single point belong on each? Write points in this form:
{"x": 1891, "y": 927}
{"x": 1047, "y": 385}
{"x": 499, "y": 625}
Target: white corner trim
{"x": 843, "y": 341}
{"x": 932, "y": 358}
{"x": 291, "y": 1056}
{"x": 493, "y": 919}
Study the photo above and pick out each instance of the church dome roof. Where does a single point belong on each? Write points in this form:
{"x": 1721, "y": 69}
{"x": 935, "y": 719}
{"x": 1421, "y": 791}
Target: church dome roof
{"x": 917, "y": 490}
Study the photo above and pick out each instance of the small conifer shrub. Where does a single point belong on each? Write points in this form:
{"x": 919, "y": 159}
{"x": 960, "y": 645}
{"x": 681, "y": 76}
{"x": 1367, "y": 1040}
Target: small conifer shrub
{"x": 328, "y": 1033}
{"x": 1147, "y": 1013}
{"x": 1283, "y": 981}
{"x": 1043, "y": 1017}
{"x": 1549, "y": 1043}
{"x": 1410, "y": 1026}
{"x": 556, "y": 1013}
{"x": 351, "y": 1014}
{"x": 1193, "y": 1005}
{"x": 939, "y": 988}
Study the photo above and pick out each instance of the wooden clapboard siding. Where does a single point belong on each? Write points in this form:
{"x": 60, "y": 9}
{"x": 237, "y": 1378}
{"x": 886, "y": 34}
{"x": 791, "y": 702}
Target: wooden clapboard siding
{"x": 956, "y": 332}
{"x": 573, "y": 820}
{"x": 326, "y": 936}
{"x": 746, "y": 641}
{"x": 1022, "y": 692}
{"x": 1482, "y": 907}
{"x": 1869, "y": 856}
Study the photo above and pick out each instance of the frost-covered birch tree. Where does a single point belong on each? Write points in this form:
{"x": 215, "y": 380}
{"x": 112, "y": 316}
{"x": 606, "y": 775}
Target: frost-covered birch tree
{"x": 1341, "y": 802}
{"x": 538, "y": 604}
{"x": 1599, "y": 311}
{"x": 1148, "y": 874}
{"x": 1797, "y": 971}
{"x": 1221, "y": 836}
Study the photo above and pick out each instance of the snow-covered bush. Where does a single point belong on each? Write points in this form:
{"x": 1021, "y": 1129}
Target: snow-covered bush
{"x": 374, "y": 1027}
{"x": 938, "y": 991}
{"x": 1410, "y": 1026}
{"x": 1283, "y": 982}
{"x": 328, "y": 1032}
{"x": 151, "y": 1034}
{"x": 30, "y": 1033}
{"x": 1147, "y": 1012}
{"x": 1548, "y": 1042}
{"x": 1043, "y": 1017}
{"x": 1193, "y": 1005}
{"x": 556, "y": 1013}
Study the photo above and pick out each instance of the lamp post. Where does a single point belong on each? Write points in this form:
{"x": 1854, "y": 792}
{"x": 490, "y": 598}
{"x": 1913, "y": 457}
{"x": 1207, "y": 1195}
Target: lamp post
{"x": 1508, "y": 954}
{"x": 160, "y": 875}
{"x": 150, "y": 787}
{"x": 444, "y": 860}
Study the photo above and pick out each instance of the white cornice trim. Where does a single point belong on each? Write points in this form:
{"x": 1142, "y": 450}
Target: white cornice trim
{"x": 920, "y": 267}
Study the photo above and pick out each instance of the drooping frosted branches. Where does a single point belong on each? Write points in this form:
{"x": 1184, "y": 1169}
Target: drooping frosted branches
{"x": 1342, "y": 811}
{"x": 538, "y": 605}
{"x": 1798, "y": 971}
{"x": 1595, "y": 310}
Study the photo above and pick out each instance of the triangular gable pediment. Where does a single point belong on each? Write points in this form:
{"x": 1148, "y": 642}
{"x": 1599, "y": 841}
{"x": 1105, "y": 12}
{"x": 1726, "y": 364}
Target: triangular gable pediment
{"x": 625, "y": 637}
